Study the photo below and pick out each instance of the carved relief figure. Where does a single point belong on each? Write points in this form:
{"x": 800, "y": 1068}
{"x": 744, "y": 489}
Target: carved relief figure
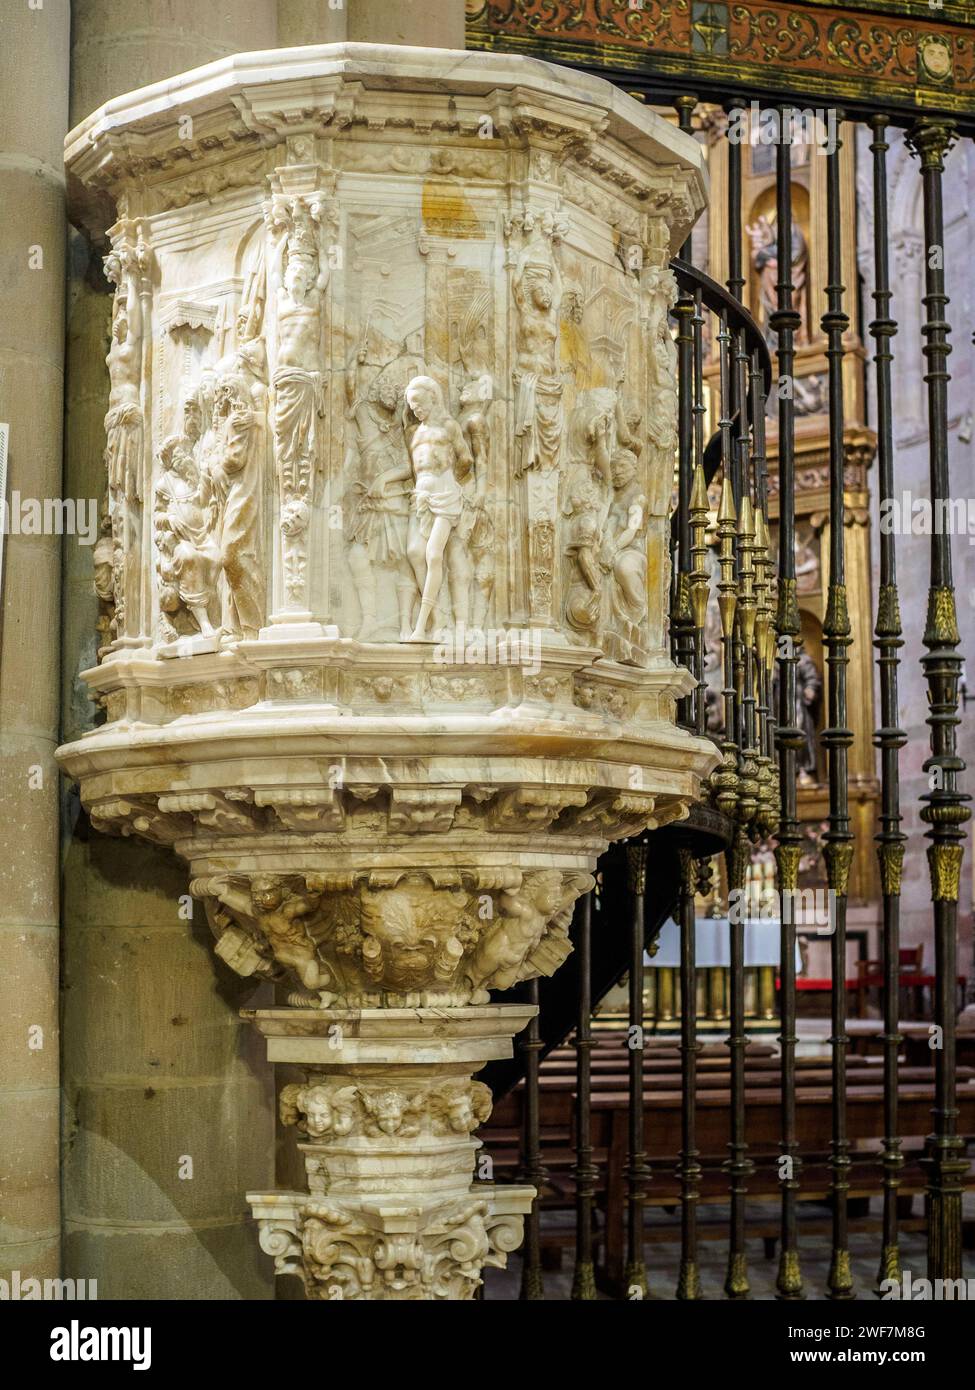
{"x": 659, "y": 297}
{"x": 380, "y": 508}
{"x": 441, "y": 459}
{"x": 592, "y": 431}
{"x": 125, "y": 267}
{"x": 283, "y": 913}
{"x": 625, "y": 556}
{"x": 542, "y": 903}
{"x": 297, "y": 276}
{"x": 236, "y": 472}
{"x": 104, "y": 576}
{"x": 537, "y": 290}
{"x": 188, "y": 558}
{"x": 476, "y": 526}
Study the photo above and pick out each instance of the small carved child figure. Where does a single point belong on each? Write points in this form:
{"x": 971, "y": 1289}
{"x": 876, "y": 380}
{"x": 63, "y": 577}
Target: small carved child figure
{"x": 284, "y": 916}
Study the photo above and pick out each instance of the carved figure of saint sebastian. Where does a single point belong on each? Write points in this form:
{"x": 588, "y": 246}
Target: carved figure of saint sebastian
{"x": 440, "y": 457}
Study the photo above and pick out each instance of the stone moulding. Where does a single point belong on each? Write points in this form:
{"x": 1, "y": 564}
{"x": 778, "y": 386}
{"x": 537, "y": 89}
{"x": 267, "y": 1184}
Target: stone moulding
{"x": 384, "y": 575}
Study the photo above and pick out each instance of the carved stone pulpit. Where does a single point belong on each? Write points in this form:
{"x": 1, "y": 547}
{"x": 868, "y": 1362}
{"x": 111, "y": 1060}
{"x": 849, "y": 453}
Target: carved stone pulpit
{"x": 384, "y": 577}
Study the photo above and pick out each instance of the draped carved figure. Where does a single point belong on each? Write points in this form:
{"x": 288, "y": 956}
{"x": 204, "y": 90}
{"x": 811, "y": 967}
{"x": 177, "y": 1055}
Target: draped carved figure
{"x": 188, "y": 557}
{"x": 237, "y": 464}
{"x": 126, "y": 266}
{"x": 537, "y": 292}
{"x": 298, "y": 274}
{"x": 380, "y": 493}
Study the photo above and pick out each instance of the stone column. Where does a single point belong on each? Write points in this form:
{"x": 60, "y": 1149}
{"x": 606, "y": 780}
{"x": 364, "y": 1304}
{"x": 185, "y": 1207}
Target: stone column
{"x": 415, "y": 22}
{"x": 154, "y": 1050}
{"x": 383, "y": 654}
{"x": 33, "y": 116}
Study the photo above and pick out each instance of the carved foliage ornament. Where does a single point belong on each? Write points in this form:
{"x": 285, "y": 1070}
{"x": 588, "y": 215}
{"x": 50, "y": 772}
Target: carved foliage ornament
{"x": 408, "y": 941}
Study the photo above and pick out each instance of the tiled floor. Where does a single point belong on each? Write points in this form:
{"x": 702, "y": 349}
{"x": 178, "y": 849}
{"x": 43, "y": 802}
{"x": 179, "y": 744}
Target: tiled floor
{"x": 662, "y": 1258}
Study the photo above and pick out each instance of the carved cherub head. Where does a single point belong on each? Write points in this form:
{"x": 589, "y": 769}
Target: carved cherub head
{"x": 325, "y": 1114}
{"x": 463, "y": 1107}
{"x": 294, "y": 516}
{"x": 323, "y": 1111}
{"x": 389, "y": 1108}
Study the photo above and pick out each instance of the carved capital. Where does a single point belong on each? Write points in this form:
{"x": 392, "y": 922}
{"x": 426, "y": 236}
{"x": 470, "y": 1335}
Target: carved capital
{"x": 346, "y": 1251}
{"x": 930, "y": 139}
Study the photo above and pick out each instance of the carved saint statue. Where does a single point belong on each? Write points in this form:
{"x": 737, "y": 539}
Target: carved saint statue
{"x": 124, "y": 431}
{"x": 765, "y": 259}
{"x": 298, "y": 275}
{"x": 123, "y": 422}
{"x": 537, "y": 289}
{"x": 625, "y": 556}
{"x": 476, "y": 526}
{"x": 441, "y": 459}
{"x": 380, "y": 504}
{"x": 236, "y": 469}
{"x": 809, "y": 694}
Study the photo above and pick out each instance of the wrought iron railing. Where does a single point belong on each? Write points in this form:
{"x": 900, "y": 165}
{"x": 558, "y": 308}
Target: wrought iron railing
{"x": 726, "y": 381}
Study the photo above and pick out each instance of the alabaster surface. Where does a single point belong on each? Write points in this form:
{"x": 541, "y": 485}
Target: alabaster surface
{"x": 389, "y": 453}
{"x": 386, "y": 1117}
